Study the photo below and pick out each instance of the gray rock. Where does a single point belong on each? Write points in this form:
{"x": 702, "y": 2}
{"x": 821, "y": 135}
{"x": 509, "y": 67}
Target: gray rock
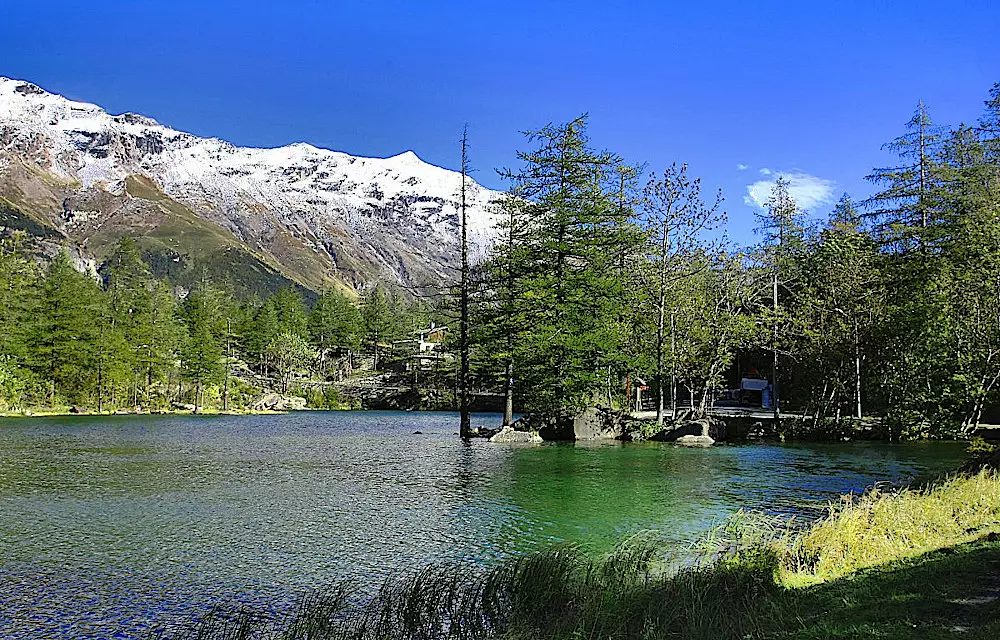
{"x": 706, "y": 428}
{"x": 596, "y": 423}
{"x": 508, "y": 434}
{"x": 695, "y": 441}
{"x": 593, "y": 423}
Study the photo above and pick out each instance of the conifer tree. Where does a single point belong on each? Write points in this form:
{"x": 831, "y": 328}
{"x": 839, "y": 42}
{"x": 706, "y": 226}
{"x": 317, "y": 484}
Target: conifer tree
{"x": 18, "y": 275}
{"x": 290, "y": 312}
{"x": 573, "y": 234}
{"x": 780, "y": 250}
{"x": 465, "y": 424}
{"x": 334, "y": 323}
{"x": 202, "y": 356}
{"x": 64, "y": 341}
{"x": 377, "y": 322}
{"x": 905, "y": 211}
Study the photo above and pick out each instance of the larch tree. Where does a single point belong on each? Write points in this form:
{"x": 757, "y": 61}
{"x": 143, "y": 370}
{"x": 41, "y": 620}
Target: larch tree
{"x": 572, "y": 232}
{"x": 677, "y": 218}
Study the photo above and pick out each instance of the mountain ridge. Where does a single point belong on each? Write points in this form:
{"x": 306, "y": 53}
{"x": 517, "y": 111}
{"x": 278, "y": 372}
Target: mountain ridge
{"x": 318, "y": 217}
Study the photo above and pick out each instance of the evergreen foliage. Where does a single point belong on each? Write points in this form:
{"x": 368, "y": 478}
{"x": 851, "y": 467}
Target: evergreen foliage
{"x": 593, "y": 289}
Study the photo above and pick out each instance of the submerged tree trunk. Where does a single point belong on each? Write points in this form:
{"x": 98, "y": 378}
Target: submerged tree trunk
{"x": 508, "y": 410}
{"x": 465, "y": 427}
{"x": 857, "y": 375}
{"x": 774, "y": 349}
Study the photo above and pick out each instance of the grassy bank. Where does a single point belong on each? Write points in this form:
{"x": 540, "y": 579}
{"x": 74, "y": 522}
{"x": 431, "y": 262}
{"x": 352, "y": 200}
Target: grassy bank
{"x": 914, "y": 563}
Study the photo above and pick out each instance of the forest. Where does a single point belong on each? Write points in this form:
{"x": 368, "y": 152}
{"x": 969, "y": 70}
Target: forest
{"x": 601, "y": 276}
{"x": 128, "y": 340}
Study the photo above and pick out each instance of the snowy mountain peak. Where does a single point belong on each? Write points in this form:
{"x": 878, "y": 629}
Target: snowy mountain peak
{"x": 366, "y": 219}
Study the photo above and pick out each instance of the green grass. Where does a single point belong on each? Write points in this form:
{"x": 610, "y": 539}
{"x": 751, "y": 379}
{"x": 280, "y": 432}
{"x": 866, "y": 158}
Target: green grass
{"x": 905, "y": 564}
{"x": 881, "y": 527}
{"x": 941, "y": 594}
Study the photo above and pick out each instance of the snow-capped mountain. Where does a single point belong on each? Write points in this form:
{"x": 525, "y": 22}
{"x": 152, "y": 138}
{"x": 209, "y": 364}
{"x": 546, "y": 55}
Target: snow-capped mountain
{"x": 312, "y": 215}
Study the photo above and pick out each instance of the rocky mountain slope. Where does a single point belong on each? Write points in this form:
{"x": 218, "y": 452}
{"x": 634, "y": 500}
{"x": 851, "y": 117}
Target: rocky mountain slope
{"x": 70, "y": 173}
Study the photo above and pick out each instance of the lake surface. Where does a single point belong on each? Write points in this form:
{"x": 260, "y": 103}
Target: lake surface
{"x": 112, "y": 525}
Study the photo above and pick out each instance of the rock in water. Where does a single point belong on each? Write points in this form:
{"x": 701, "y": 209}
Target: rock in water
{"x": 508, "y": 434}
{"x": 593, "y": 423}
{"x": 695, "y": 441}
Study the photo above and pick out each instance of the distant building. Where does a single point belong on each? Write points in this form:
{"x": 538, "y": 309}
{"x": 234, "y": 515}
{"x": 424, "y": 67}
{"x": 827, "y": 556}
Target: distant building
{"x": 432, "y": 338}
{"x": 424, "y": 349}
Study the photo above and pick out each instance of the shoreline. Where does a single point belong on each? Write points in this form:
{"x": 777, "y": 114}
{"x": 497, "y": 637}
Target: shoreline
{"x": 988, "y": 432}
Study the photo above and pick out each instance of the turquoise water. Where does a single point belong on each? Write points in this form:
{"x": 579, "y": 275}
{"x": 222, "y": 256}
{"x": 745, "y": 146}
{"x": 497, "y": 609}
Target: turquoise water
{"x": 110, "y": 526}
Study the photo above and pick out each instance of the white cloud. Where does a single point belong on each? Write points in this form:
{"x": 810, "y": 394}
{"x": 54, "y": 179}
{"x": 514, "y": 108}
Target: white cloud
{"x": 806, "y": 190}
{"x": 765, "y": 171}
{"x": 742, "y": 167}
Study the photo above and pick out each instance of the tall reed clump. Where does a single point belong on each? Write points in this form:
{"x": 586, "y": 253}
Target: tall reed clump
{"x": 882, "y": 526}
{"x": 553, "y": 594}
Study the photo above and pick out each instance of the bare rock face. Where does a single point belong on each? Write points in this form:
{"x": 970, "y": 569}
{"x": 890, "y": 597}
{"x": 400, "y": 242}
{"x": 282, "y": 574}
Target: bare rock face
{"x": 320, "y": 217}
{"x": 278, "y": 402}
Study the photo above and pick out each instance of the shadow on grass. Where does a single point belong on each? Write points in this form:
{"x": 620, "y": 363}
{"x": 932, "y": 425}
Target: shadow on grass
{"x": 951, "y": 593}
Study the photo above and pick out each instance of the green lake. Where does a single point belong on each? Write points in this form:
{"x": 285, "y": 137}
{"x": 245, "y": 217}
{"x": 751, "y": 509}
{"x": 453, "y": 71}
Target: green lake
{"x": 110, "y": 526}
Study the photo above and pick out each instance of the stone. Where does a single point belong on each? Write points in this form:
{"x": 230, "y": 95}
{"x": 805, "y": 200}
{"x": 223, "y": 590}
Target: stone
{"x": 705, "y": 430}
{"x": 695, "y": 441}
{"x": 596, "y": 423}
{"x": 509, "y": 434}
{"x": 593, "y": 423}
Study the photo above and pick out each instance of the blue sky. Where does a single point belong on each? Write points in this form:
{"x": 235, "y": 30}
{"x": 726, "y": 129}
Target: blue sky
{"x": 809, "y": 89}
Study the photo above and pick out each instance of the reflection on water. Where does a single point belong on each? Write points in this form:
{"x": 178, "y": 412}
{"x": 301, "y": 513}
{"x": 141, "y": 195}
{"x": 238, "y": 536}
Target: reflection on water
{"x": 111, "y": 525}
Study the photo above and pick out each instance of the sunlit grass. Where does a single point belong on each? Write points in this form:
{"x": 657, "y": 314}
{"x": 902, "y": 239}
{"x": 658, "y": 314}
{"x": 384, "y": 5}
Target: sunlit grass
{"x": 880, "y": 527}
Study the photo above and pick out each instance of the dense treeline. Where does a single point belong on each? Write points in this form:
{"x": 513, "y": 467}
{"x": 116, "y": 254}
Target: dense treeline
{"x": 600, "y": 282}
{"x": 889, "y": 307}
{"x": 121, "y": 338}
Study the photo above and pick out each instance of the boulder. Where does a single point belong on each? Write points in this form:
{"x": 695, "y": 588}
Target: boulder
{"x": 509, "y": 434}
{"x": 695, "y": 441}
{"x": 593, "y": 423}
{"x": 598, "y": 423}
{"x": 700, "y": 432}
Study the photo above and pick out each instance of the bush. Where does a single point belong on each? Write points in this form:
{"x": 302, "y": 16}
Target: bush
{"x": 327, "y": 397}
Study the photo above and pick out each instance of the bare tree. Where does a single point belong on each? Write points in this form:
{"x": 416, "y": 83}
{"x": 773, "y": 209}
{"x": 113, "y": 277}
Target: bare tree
{"x": 677, "y": 218}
